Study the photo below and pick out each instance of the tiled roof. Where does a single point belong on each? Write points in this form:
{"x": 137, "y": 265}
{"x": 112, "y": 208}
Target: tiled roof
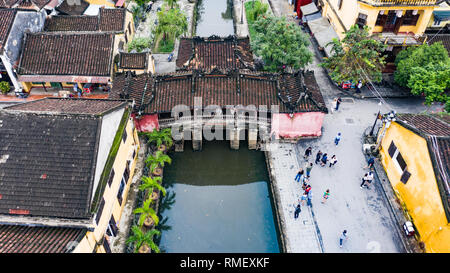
{"x": 47, "y": 164}
{"x": 436, "y": 131}
{"x": 108, "y": 20}
{"x": 69, "y": 106}
{"x": 133, "y": 60}
{"x": 444, "y": 38}
{"x": 214, "y": 52}
{"x": 71, "y": 9}
{"x": 112, "y": 19}
{"x": 27, "y": 239}
{"x": 71, "y": 23}
{"x": 430, "y": 125}
{"x": 6, "y": 20}
{"x": 126, "y": 86}
{"x": 163, "y": 92}
{"x": 25, "y": 3}
{"x": 83, "y": 54}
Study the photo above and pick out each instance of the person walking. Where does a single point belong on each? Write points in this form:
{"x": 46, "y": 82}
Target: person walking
{"x": 326, "y": 194}
{"x": 309, "y": 198}
{"x": 307, "y": 189}
{"x": 298, "y": 177}
{"x": 333, "y": 160}
{"x": 304, "y": 198}
{"x": 358, "y": 87}
{"x": 318, "y": 156}
{"x": 342, "y": 238}
{"x": 308, "y": 169}
{"x": 324, "y": 160}
{"x": 366, "y": 180}
{"x": 297, "y": 211}
{"x": 338, "y": 102}
{"x": 308, "y": 152}
{"x": 337, "y": 139}
{"x": 370, "y": 163}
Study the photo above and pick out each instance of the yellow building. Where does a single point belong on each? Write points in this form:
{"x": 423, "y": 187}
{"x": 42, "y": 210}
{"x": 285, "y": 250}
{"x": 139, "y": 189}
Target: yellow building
{"x": 76, "y": 169}
{"x": 397, "y": 23}
{"x": 415, "y": 153}
{"x": 440, "y": 17}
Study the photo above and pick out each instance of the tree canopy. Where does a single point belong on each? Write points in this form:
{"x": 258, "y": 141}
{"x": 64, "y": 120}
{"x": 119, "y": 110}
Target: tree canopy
{"x": 280, "y": 43}
{"x": 356, "y": 57}
{"x": 172, "y": 24}
{"x": 139, "y": 44}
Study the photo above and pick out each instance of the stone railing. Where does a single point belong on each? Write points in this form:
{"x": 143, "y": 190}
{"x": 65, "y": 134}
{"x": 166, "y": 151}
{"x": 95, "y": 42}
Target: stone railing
{"x": 388, "y": 3}
{"x": 211, "y": 121}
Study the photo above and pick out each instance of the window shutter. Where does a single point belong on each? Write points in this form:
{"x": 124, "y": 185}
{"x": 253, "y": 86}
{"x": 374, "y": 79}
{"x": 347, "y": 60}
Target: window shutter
{"x": 124, "y": 136}
{"x": 392, "y": 149}
{"x": 401, "y": 162}
{"x": 106, "y": 245}
{"x": 113, "y": 225}
{"x": 111, "y": 177}
{"x": 99, "y": 212}
{"x": 405, "y": 177}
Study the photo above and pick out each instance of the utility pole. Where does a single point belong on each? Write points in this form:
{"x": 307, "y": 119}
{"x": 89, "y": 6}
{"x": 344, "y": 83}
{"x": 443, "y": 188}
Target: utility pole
{"x": 373, "y": 127}
{"x": 242, "y": 12}
{"x": 387, "y": 119}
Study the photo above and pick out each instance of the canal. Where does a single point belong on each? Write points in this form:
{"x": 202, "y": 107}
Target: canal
{"x": 215, "y": 17}
{"x": 218, "y": 200}
{"x": 222, "y": 202}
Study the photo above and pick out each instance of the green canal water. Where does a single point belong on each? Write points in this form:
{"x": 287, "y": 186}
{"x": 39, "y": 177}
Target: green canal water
{"x": 222, "y": 202}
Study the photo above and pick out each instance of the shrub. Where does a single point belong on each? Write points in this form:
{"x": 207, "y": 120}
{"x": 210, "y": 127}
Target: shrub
{"x": 4, "y": 87}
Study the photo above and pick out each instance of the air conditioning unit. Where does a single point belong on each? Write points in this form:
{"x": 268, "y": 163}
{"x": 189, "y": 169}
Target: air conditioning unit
{"x": 368, "y": 148}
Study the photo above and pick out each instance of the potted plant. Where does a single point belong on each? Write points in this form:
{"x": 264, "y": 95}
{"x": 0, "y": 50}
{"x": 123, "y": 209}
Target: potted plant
{"x": 143, "y": 242}
{"x": 148, "y": 216}
{"x": 151, "y": 184}
{"x": 4, "y": 87}
{"x": 162, "y": 138}
{"x": 157, "y": 160}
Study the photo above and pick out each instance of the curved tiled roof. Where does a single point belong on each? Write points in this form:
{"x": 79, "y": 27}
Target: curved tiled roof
{"x": 6, "y": 20}
{"x": 133, "y": 60}
{"x": 214, "y": 52}
{"x": 237, "y": 87}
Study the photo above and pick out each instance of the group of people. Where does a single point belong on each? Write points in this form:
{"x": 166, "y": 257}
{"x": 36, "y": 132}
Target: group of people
{"x": 303, "y": 176}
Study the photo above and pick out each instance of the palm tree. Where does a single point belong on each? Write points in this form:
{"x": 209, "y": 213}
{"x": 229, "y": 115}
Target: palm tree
{"x": 151, "y": 183}
{"x": 159, "y": 159}
{"x": 147, "y": 214}
{"x": 145, "y": 240}
{"x": 161, "y": 137}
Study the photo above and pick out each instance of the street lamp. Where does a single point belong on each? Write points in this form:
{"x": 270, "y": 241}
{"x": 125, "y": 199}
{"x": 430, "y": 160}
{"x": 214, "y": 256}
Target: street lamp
{"x": 242, "y": 12}
{"x": 387, "y": 119}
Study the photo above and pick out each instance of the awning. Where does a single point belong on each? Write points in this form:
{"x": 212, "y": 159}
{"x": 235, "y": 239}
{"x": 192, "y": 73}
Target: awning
{"x": 146, "y": 123}
{"x": 300, "y": 125}
{"x": 312, "y": 17}
{"x": 309, "y": 9}
{"x": 120, "y": 3}
{"x": 323, "y": 33}
{"x": 441, "y": 15}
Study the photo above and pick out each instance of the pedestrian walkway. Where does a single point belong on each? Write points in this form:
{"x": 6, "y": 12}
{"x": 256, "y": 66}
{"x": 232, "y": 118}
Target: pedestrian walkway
{"x": 300, "y": 235}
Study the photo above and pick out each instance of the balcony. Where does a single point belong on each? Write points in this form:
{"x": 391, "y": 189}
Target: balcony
{"x": 393, "y": 3}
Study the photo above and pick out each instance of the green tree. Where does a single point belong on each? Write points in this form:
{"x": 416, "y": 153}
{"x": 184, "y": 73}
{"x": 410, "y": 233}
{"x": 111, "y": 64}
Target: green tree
{"x": 4, "y": 87}
{"x": 142, "y": 2}
{"x": 280, "y": 44}
{"x": 139, "y": 44}
{"x": 356, "y": 57}
{"x": 159, "y": 158}
{"x": 432, "y": 81}
{"x": 420, "y": 56}
{"x": 254, "y": 9}
{"x": 146, "y": 211}
{"x": 139, "y": 238}
{"x": 151, "y": 183}
{"x": 171, "y": 3}
{"x": 171, "y": 24}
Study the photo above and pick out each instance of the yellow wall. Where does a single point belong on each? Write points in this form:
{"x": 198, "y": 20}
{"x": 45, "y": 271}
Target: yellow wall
{"x": 420, "y": 194}
{"x": 101, "y": 2}
{"x": 112, "y": 206}
{"x": 351, "y": 8}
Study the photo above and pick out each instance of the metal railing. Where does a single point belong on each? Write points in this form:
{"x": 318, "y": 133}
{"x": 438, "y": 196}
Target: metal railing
{"x": 380, "y": 3}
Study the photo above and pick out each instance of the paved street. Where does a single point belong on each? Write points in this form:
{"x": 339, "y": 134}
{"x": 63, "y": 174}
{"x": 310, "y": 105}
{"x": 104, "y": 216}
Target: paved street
{"x": 362, "y": 212}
